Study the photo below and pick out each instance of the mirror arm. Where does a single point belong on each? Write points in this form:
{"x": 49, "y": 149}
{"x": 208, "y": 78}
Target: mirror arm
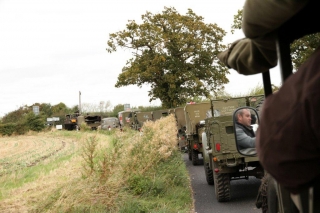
{"x": 266, "y": 83}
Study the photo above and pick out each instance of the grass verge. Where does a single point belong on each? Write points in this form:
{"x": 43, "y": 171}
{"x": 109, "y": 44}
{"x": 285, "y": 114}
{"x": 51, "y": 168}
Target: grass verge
{"x": 109, "y": 171}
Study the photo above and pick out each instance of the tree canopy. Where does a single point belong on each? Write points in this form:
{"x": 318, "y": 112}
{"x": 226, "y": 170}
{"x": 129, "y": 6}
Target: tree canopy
{"x": 301, "y": 49}
{"x": 174, "y": 54}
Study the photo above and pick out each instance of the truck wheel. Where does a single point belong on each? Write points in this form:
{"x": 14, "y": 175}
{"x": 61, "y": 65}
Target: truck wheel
{"x": 209, "y": 174}
{"x": 264, "y": 193}
{"x": 222, "y": 187}
{"x": 195, "y": 157}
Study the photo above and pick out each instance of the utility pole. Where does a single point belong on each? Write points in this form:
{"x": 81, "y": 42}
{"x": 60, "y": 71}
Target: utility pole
{"x": 79, "y": 102}
{"x": 101, "y": 106}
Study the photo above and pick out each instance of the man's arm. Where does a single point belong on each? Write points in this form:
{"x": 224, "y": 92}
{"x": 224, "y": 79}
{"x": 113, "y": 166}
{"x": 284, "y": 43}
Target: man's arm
{"x": 245, "y": 141}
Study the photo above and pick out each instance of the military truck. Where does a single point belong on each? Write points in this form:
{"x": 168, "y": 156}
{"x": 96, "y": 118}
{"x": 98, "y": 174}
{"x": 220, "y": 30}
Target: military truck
{"x": 222, "y": 161}
{"x": 140, "y": 118}
{"x": 74, "y": 121}
{"x": 71, "y": 121}
{"x": 110, "y": 123}
{"x": 125, "y": 118}
{"x": 181, "y": 125}
{"x": 159, "y": 114}
{"x": 195, "y": 114}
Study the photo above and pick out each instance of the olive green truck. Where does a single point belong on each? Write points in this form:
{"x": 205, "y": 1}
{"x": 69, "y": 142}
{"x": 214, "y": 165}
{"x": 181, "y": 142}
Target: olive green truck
{"x": 222, "y": 161}
{"x": 195, "y": 115}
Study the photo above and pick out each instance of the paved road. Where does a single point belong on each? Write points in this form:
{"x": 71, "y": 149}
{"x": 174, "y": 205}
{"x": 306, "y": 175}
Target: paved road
{"x": 243, "y": 193}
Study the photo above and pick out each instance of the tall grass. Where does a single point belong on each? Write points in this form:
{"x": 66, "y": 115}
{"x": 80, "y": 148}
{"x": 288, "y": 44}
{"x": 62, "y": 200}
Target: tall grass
{"x": 112, "y": 171}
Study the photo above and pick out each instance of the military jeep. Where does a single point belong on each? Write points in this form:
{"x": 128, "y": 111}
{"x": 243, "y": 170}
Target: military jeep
{"x": 222, "y": 161}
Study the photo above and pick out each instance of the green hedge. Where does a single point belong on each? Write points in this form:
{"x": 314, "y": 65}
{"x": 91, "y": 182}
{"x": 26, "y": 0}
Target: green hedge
{"x": 31, "y": 122}
{"x": 7, "y": 129}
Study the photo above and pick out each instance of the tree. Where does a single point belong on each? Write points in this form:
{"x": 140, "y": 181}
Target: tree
{"x": 60, "y": 107}
{"x": 237, "y": 21}
{"x": 45, "y": 109}
{"x": 35, "y": 122}
{"x": 301, "y": 49}
{"x": 175, "y": 54}
{"x": 16, "y": 115}
{"x": 118, "y": 108}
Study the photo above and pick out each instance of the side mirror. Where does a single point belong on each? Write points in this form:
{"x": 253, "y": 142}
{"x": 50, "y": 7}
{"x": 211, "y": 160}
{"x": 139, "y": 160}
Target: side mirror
{"x": 245, "y": 124}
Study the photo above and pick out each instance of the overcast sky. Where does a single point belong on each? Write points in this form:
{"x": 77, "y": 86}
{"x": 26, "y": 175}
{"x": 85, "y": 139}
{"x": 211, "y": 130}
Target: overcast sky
{"x": 52, "y": 49}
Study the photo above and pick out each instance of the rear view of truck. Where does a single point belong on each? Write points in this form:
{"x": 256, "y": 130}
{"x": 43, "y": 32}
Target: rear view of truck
{"x": 181, "y": 126}
{"x": 222, "y": 161}
{"x": 195, "y": 114}
{"x": 140, "y": 118}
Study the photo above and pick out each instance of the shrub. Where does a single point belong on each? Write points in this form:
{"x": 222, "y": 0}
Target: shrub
{"x": 34, "y": 122}
{"x": 7, "y": 129}
{"x": 21, "y": 128}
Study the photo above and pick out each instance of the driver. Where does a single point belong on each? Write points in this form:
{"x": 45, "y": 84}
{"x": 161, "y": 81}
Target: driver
{"x": 245, "y": 134}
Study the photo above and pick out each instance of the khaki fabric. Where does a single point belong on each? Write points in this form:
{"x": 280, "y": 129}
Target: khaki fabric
{"x": 288, "y": 137}
{"x": 261, "y": 18}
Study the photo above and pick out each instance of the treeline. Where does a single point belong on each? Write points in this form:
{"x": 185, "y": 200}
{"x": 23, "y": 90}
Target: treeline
{"x": 22, "y": 120}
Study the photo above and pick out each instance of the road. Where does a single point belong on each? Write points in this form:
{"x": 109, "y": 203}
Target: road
{"x": 243, "y": 193}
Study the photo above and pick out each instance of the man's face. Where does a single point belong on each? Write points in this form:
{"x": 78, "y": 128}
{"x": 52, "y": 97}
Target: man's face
{"x": 245, "y": 118}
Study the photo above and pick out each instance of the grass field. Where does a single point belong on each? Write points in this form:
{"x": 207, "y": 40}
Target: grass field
{"x": 95, "y": 171}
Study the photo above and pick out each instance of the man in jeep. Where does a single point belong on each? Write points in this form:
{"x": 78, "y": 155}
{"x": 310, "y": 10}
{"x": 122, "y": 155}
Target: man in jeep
{"x": 245, "y": 134}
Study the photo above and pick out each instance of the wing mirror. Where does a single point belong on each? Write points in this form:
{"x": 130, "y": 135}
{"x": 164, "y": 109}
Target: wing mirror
{"x": 245, "y": 124}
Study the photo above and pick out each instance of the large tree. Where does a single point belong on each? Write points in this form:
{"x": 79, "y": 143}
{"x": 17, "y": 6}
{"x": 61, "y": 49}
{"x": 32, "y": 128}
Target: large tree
{"x": 174, "y": 54}
{"x": 301, "y": 48}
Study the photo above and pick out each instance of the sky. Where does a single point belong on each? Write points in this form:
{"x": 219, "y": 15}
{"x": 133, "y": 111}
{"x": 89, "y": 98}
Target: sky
{"x": 52, "y": 49}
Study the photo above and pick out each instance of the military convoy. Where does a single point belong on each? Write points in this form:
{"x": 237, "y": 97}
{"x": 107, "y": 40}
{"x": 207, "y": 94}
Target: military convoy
{"x": 204, "y": 130}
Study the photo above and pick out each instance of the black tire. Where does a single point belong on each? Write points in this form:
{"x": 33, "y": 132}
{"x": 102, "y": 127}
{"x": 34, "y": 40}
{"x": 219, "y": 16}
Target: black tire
{"x": 195, "y": 157}
{"x": 263, "y": 193}
{"x": 222, "y": 187}
{"x": 209, "y": 174}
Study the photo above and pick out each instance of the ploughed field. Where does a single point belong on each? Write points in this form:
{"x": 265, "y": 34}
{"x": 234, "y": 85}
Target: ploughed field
{"x": 33, "y": 166}
{"x": 20, "y": 152}
{"x": 95, "y": 171}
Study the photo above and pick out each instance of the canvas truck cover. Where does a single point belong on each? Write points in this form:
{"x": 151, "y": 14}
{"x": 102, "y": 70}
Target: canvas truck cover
{"x": 125, "y": 118}
{"x": 159, "y": 114}
{"x": 142, "y": 117}
{"x": 171, "y": 111}
{"x": 180, "y": 117}
{"x": 194, "y": 113}
{"x": 226, "y": 107}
